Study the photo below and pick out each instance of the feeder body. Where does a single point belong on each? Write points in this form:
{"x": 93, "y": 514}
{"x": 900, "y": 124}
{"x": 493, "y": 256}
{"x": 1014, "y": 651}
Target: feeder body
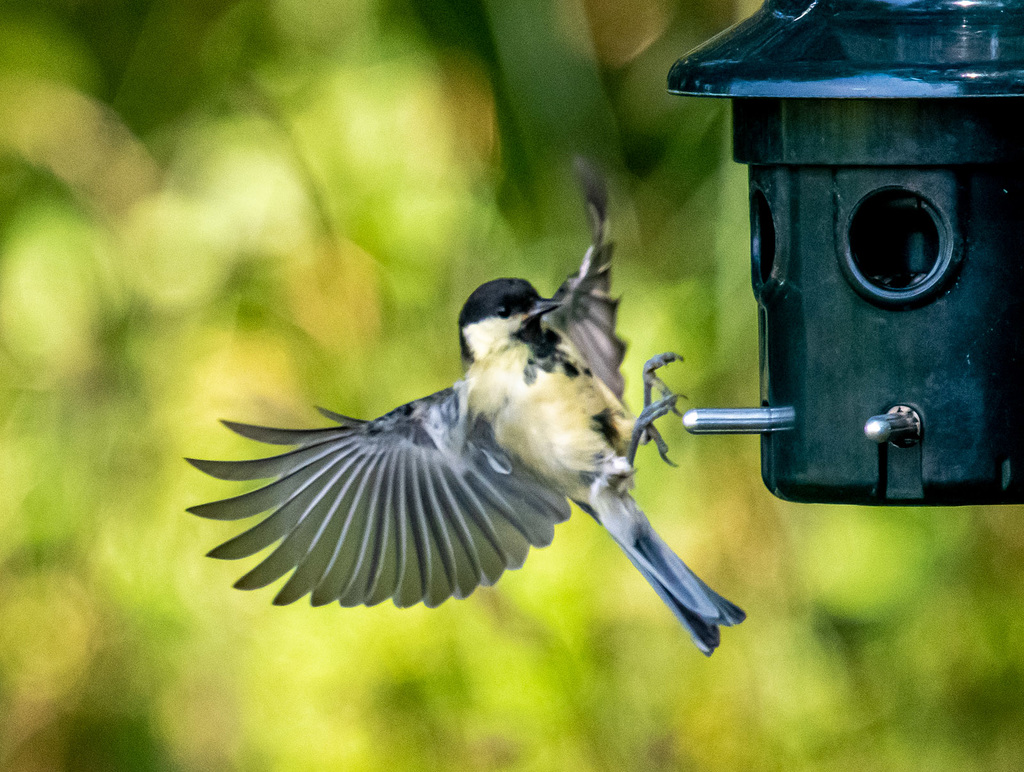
{"x": 886, "y": 167}
{"x": 889, "y": 273}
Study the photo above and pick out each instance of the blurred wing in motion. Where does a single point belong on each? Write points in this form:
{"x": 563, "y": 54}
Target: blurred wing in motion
{"x": 416, "y": 505}
{"x": 588, "y": 312}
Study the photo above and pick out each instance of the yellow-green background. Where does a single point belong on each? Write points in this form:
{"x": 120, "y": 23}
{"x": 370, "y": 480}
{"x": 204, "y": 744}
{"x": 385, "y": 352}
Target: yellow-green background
{"x": 240, "y": 209}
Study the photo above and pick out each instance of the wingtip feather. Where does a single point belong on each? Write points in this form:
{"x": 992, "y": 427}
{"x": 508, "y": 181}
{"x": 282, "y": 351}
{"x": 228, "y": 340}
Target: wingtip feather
{"x": 245, "y": 583}
{"x": 217, "y": 553}
{"x": 222, "y": 470}
{"x": 344, "y": 420}
{"x": 595, "y": 191}
{"x": 207, "y": 510}
{"x": 282, "y": 599}
{"x": 238, "y": 427}
{"x": 273, "y": 436}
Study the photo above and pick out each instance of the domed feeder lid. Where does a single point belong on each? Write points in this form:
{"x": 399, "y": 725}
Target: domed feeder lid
{"x": 827, "y": 49}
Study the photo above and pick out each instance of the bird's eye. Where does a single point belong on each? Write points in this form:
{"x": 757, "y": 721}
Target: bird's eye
{"x": 504, "y": 311}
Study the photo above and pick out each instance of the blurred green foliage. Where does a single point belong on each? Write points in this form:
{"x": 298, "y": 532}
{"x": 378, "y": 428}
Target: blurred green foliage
{"x": 240, "y": 209}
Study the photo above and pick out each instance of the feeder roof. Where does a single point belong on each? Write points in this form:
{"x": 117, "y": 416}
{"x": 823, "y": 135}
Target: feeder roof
{"x": 827, "y": 49}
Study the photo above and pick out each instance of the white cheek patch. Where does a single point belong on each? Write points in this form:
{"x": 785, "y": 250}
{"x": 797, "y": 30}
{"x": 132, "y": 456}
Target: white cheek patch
{"x": 488, "y": 336}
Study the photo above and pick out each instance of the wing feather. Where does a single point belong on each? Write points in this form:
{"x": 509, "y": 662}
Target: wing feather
{"x": 359, "y": 525}
{"x": 412, "y": 588}
{"x": 493, "y": 556}
{"x": 432, "y": 541}
{"x": 270, "y": 496}
{"x": 446, "y": 541}
{"x": 296, "y": 543}
{"x": 281, "y": 522}
{"x": 346, "y": 538}
{"x": 588, "y": 313}
{"x": 418, "y": 505}
{"x": 312, "y": 568}
{"x": 387, "y": 558}
{"x": 274, "y": 466}
{"x": 468, "y": 573}
{"x": 514, "y": 544}
{"x": 282, "y": 436}
{"x": 356, "y": 589}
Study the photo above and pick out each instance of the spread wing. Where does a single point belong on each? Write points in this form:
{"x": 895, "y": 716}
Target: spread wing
{"x": 588, "y": 312}
{"x": 414, "y": 506}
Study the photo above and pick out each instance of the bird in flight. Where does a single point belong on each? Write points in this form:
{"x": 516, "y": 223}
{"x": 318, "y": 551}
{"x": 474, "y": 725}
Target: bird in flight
{"x": 443, "y": 494}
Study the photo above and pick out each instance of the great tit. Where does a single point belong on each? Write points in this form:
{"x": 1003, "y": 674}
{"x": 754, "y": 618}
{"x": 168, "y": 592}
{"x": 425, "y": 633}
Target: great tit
{"x": 444, "y": 493}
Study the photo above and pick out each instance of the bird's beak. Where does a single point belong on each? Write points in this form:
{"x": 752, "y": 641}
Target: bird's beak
{"x": 542, "y": 307}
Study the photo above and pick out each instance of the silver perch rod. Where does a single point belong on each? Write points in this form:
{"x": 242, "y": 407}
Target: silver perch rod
{"x": 739, "y": 420}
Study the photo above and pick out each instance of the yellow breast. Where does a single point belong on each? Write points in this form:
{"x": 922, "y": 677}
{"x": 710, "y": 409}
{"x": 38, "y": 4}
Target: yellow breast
{"x": 546, "y": 418}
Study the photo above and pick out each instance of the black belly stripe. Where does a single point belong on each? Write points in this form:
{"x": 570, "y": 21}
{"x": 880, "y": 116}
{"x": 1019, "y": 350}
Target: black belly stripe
{"x": 604, "y": 424}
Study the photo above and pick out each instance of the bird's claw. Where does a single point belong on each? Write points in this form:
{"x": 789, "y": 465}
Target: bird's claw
{"x": 652, "y": 381}
{"x": 645, "y": 426}
{"x": 651, "y": 434}
{"x": 644, "y": 430}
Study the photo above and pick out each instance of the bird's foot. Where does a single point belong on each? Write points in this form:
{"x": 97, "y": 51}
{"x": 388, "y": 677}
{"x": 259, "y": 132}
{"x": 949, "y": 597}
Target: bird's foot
{"x": 652, "y": 381}
{"x": 644, "y": 430}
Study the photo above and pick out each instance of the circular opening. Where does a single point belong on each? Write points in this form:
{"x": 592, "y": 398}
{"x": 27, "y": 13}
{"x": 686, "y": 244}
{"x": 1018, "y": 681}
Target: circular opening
{"x": 762, "y": 236}
{"x": 894, "y": 240}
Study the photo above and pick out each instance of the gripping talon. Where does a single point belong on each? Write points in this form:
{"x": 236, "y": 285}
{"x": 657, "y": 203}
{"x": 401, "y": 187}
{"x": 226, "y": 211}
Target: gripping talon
{"x": 644, "y": 430}
{"x": 651, "y": 380}
{"x": 644, "y": 425}
{"x": 651, "y": 434}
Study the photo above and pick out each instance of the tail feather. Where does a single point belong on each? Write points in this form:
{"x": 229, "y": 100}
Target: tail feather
{"x": 705, "y": 634}
{"x": 667, "y": 564}
{"x": 700, "y": 609}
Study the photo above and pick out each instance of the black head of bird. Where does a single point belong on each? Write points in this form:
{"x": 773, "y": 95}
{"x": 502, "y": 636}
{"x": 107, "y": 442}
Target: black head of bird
{"x": 497, "y": 311}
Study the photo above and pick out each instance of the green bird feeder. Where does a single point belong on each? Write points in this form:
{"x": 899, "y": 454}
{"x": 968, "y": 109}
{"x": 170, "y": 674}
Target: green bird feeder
{"x": 885, "y": 142}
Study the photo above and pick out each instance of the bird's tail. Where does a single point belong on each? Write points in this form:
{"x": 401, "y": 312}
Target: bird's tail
{"x": 697, "y": 606}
